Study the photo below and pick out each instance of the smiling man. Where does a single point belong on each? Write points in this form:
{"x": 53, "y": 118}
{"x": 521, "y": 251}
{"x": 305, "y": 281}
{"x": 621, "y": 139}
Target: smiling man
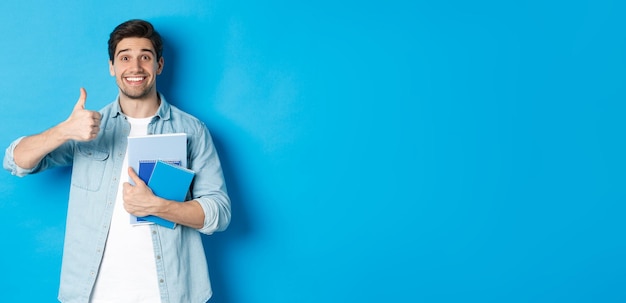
{"x": 106, "y": 259}
{"x": 135, "y": 65}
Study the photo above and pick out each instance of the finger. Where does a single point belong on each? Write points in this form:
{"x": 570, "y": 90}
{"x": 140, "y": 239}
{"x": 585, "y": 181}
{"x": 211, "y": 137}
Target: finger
{"x": 97, "y": 117}
{"x": 80, "y": 104}
{"x": 134, "y": 176}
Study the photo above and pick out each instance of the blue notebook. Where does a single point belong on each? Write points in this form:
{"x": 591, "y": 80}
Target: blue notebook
{"x": 145, "y": 151}
{"x": 147, "y": 166}
{"x": 145, "y": 171}
{"x": 169, "y": 181}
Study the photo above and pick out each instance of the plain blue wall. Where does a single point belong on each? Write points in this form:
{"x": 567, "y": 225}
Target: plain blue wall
{"x": 395, "y": 151}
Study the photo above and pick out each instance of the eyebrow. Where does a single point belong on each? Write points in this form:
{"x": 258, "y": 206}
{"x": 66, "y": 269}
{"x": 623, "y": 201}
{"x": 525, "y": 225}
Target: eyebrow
{"x": 142, "y": 50}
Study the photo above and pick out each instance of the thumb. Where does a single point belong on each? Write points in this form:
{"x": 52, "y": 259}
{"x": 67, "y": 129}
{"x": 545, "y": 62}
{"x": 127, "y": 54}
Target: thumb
{"x": 133, "y": 176}
{"x": 81, "y": 100}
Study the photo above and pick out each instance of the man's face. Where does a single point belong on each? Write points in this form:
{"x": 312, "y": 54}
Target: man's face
{"x": 135, "y": 67}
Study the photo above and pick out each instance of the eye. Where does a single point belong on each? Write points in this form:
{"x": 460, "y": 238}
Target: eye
{"x": 124, "y": 58}
{"x": 145, "y": 58}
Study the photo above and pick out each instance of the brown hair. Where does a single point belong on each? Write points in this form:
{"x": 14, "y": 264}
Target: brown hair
{"x": 135, "y": 29}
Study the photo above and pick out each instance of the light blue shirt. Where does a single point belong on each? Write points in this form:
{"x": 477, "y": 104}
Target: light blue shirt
{"x": 179, "y": 254}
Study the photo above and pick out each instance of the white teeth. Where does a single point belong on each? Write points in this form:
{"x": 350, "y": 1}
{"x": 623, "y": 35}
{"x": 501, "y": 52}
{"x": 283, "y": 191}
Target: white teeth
{"x": 134, "y": 78}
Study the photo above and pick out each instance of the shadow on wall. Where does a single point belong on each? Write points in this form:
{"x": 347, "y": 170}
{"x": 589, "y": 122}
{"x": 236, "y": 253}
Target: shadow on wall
{"x": 218, "y": 245}
{"x": 166, "y": 80}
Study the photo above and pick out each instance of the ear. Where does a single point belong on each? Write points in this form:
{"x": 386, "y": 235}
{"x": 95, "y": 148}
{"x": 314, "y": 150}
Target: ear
{"x": 111, "y": 69}
{"x": 160, "y": 68}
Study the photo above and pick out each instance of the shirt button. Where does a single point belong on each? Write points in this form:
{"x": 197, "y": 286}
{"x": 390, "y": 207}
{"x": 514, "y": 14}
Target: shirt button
{"x": 158, "y": 257}
{"x": 161, "y": 281}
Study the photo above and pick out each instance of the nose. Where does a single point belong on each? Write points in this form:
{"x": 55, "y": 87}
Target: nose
{"x": 136, "y": 65}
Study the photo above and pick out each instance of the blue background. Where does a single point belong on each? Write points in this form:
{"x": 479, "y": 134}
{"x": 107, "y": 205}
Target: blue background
{"x": 395, "y": 151}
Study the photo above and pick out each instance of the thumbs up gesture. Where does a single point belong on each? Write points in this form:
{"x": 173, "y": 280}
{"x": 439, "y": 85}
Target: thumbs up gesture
{"x": 82, "y": 124}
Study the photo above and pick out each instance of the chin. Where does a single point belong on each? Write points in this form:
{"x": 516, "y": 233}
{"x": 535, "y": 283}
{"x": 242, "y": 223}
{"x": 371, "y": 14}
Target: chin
{"x": 135, "y": 94}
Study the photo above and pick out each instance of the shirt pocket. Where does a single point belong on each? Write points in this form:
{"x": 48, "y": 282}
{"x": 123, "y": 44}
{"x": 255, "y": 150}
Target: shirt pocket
{"x": 89, "y": 166}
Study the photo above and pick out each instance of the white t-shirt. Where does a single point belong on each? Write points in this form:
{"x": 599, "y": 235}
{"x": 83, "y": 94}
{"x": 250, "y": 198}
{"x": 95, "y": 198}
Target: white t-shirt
{"x": 128, "y": 270}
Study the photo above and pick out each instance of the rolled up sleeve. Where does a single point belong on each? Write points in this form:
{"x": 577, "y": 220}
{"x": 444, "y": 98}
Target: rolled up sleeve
{"x": 209, "y": 188}
{"x": 9, "y": 161}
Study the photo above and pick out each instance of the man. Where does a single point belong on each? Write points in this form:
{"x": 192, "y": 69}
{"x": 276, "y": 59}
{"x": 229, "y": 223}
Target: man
{"x": 106, "y": 259}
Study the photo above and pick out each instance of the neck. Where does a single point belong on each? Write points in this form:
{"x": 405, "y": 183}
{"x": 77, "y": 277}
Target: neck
{"x": 140, "y": 107}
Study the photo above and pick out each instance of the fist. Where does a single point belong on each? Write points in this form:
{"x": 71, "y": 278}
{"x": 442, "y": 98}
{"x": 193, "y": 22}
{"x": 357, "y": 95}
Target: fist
{"x": 82, "y": 124}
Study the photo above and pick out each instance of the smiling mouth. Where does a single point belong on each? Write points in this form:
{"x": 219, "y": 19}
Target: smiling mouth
{"x": 134, "y": 80}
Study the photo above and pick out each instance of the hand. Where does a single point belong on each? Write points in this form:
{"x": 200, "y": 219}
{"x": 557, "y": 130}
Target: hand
{"x": 82, "y": 124}
{"x": 139, "y": 200}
